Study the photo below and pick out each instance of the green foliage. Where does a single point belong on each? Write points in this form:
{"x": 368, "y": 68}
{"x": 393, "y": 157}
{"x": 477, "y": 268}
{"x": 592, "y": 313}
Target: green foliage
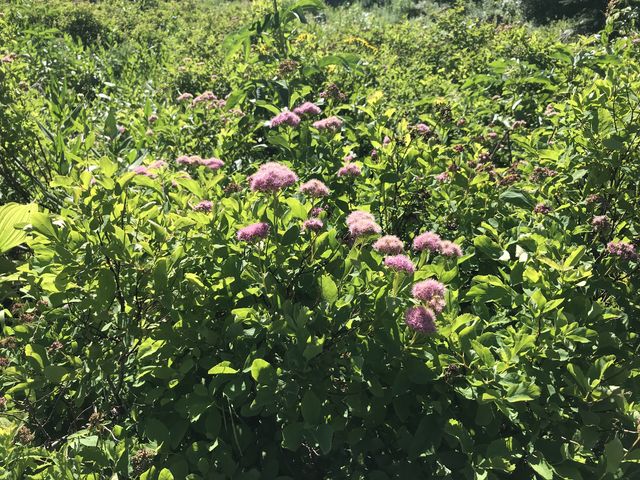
{"x": 142, "y": 339}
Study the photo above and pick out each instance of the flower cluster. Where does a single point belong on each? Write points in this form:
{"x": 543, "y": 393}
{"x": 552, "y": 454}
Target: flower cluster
{"x": 421, "y": 319}
{"x": 432, "y": 242}
{"x": 271, "y": 177}
{"x": 624, "y": 250}
{"x": 204, "y": 206}
{"x": 329, "y": 123}
{"x": 542, "y": 209}
{"x": 400, "y": 263}
{"x": 312, "y": 224}
{"x": 314, "y": 188}
{"x": 362, "y": 224}
{"x": 389, "y": 245}
{"x": 350, "y": 170}
{"x": 213, "y": 163}
{"x": 600, "y": 223}
{"x": 307, "y": 108}
{"x": 431, "y": 292}
{"x": 253, "y": 232}
{"x": 285, "y": 117}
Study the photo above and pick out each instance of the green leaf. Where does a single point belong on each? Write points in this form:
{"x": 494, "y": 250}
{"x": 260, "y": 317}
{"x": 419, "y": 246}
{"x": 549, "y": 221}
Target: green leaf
{"x": 263, "y": 372}
{"x": 329, "y": 289}
{"x": 311, "y": 408}
{"x": 54, "y": 373}
{"x": 165, "y": 474}
{"x": 12, "y": 215}
{"x": 324, "y": 437}
{"x": 517, "y": 198}
{"x": 488, "y": 246}
{"x": 41, "y": 223}
{"x": 541, "y": 466}
{"x": 292, "y": 436}
{"x": 613, "y": 454}
{"x": 157, "y": 431}
{"x": 222, "y": 368}
{"x": 575, "y": 257}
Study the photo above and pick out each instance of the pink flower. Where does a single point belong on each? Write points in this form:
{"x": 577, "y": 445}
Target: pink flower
{"x": 330, "y": 123}
{"x": 149, "y": 132}
{"x": 251, "y": 233}
{"x": 157, "y": 164}
{"x": 316, "y": 212}
{"x": 624, "y": 250}
{"x": 400, "y": 263}
{"x": 421, "y": 319}
{"x": 600, "y": 222}
{"x": 204, "y": 206}
{"x": 212, "y": 163}
{"x": 442, "y": 177}
{"x": 271, "y": 177}
{"x": 153, "y": 118}
{"x": 142, "y": 170}
{"x": 389, "y": 245}
{"x": 374, "y": 153}
{"x": 427, "y": 241}
{"x": 450, "y": 249}
{"x": 350, "y": 170}
{"x": 312, "y": 224}
{"x": 362, "y": 224}
{"x": 204, "y": 97}
{"x": 121, "y": 129}
{"x": 184, "y": 96}
{"x": 188, "y": 159}
{"x": 550, "y": 110}
{"x": 307, "y": 108}
{"x": 358, "y": 215}
{"x": 542, "y": 209}
{"x": 430, "y": 292}
{"x": 349, "y": 157}
{"x": 423, "y": 129}
{"x": 285, "y": 118}
{"x": 492, "y": 135}
{"x": 314, "y": 188}
{"x": 386, "y": 140}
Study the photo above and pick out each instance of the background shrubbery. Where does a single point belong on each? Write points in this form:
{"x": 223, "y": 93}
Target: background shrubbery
{"x": 141, "y": 338}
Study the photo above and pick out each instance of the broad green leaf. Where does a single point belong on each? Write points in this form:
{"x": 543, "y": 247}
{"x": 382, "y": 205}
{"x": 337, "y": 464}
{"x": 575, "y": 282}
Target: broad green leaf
{"x": 12, "y": 215}
{"x": 329, "y": 289}
{"x": 222, "y": 368}
{"x": 311, "y": 408}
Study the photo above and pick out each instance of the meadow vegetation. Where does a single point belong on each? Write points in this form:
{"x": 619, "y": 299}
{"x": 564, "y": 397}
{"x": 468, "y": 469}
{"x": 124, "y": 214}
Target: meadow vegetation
{"x": 283, "y": 240}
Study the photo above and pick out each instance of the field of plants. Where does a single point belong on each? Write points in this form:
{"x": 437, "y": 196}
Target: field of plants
{"x": 283, "y": 240}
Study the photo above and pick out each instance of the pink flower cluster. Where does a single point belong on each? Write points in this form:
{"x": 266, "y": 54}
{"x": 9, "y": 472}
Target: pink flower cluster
{"x": 211, "y": 98}
{"x": 271, "y": 177}
{"x": 329, "y": 123}
{"x": 542, "y": 209}
{"x": 350, "y": 170}
{"x": 431, "y": 292}
{"x": 253, "y": 232}
{"x": 421, "y": 319}
{"x": 307, "y": 108}
{"x": 624, "y": 250}
{"x": 312, "y": 224}
{"x": 362, "y": 224}
{"x": 600, "y": 222}
{"x": 314, "y": 188}
{"x": 183, "y": 97}
{"x": 285, "y": 118}
{"x": 204, "y": 206}
{"x": 400, "y": 263}
{"x": 389, "y": 245}
{"x": 142, "y": 170}
{"x": 432, "y": 242}
{"x": 212, "y": 163}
